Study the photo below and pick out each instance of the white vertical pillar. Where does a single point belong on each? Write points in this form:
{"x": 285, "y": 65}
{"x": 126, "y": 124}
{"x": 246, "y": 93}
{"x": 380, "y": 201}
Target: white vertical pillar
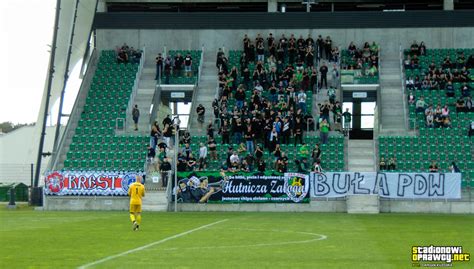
{"x": 272, "y": 6}
{"x": 448, "y": 4}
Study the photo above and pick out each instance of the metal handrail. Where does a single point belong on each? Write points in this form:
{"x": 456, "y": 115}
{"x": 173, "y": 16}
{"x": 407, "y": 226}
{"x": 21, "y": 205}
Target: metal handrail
{"x": 193, "y": 100}
{"x": 76, "y": 108}
{"x": 403, "y": 79}
{"x": 133, "y": 94}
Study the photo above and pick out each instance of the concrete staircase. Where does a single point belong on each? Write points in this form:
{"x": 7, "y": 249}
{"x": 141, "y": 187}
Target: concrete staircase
{"x": 144, "y": 98}
{"x": 205, "y": 94}
{"x": 393, "y": 111}
{"x": 155, "y": 201}
{"x": 361, "y": 156}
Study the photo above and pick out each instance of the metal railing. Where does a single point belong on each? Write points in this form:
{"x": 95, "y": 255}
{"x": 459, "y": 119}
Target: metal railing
{"x": 76, "y": 111}
{"x": 403, "y": 79}
{"x": 193, "y": 100}
{"x": 133, "y": 94}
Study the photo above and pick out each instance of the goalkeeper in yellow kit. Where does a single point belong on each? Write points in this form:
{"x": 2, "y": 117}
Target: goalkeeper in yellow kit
{"x": 136, "y": 192}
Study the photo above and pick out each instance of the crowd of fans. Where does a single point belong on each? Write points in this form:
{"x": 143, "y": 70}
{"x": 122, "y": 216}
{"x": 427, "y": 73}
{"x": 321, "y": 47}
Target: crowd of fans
{"x": 176, "y": 65}
{"x": 126, "y": 54}
{"x": 365, "y": 58}
{"x": 441, "y": 77}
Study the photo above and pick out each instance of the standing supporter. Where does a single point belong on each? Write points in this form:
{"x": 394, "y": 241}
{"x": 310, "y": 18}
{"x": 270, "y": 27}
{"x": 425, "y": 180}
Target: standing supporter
{"x": 324, "y": 131}
{"x": 188, "y": 64}
{"x": 324, "y": 80}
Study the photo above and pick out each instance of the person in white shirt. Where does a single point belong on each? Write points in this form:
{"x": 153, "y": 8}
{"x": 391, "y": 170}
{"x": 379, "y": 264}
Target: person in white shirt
{"x": 234, "y": 158}
{"x": 302, "y": 101}
{"x": 202, "y": 156}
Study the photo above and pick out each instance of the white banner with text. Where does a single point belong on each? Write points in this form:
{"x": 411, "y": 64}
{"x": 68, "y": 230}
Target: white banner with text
{"x": 389, "y": 185}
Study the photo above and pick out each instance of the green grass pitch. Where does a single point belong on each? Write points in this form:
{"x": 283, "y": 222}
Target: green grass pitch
{"x": 34, "y": 239}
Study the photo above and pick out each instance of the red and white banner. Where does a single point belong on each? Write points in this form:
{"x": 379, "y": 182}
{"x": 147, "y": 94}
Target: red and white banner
{"x": 88, "y": 183}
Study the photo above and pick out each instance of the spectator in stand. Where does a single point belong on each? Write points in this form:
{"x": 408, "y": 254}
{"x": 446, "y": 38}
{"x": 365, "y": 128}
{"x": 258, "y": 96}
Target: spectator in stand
{"x": 167, "y": 133}
{"x": 411, "y": 98}
{"x": 191, "y": 163}
{"x": 178, "y": 63}
{"x": 240, "y": 98}
{"x": 302, "y": 101}
{"x": 471, "y": 129}
{"x": 154, "y": 133}
{"x": 334, "y": 76}
{"x": 433, "y": 167}
{"x": 450, "y": 89}
{"x": 186, "y": 151}
{"x": 165, "y": 169}
{"x": 261, "y": 166}
{"x": 168, "y": 66}
{"x": 303, "y": 154}
{"x": 420, "y": 105}
{"x": 250, "y": 160}
{"x": 298, "y": 131}
{"x": 337, "y": 116}
{"x": 382, "y": 164}
{"x": 324, "y": 72}
{"x": 188, "y": 64}
{"x": 202, "y": 157}
{"x": 151, "y": 153}
{"x": 212, "y": 149}
{"x": 460, "y": 106}
{"x": 430, "y": 120}
{"x": 324, "y": 131}
{"x": 200, "y": 110}
{"x": 316, "y": 153}
{"x": 335, "y": 54}
{"x": 328, "y": 48}
{"x": 324, "y": 110}
{"x": 347, "y": 116}
{"x": 258, "y": 153}
{"x": 300, "y": 167}
{"x": 317, "y": 166}
{"x": 422, "y": 49}
{"x": 135, "y": 116}
{"x": 454, "y": 168}
{"x": 224, "y": 131}
{"x": 249, "y": 139}
{"x": 122, "y": 56}
{"x": 447, "y": 122}
{"x": 392, "y": 165}
{"x": 414, "y": 48}
{"x": 445, "y": 111}
{"x": 469, "y": 105}
{"x": 159, "y": 66}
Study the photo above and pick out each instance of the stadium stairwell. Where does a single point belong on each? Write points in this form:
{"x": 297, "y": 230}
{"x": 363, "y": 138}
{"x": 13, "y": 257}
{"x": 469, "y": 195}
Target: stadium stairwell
{"x": 391, "y": 92}
{"x": 143, "y": 98}
{"x": 361, "y": 156}
{"x": 206, "y": 93}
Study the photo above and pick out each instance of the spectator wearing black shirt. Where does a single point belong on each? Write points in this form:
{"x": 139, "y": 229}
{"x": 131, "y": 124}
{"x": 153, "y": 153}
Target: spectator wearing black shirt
{"x": 200, "y": 110}
{"x": 167, "y": 68}
{"x": 165, "y": 170}
{"x": 178, "y": 62}
{"x": 188, "y": 64}
{"x": 324, "y": 72}
{"x": 159, "y": 66}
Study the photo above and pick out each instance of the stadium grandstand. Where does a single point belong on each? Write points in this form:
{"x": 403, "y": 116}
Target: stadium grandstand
{"x": 270, "y": 105}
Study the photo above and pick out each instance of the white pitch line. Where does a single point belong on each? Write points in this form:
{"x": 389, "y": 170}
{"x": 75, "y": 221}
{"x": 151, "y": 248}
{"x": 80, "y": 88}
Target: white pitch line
{"x": 149, "y": 245}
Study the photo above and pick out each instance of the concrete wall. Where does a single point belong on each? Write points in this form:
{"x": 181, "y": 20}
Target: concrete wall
{"x": 336, "y": 206}
{"x": 389, "y": 39}
{"x": 86, "y": 203}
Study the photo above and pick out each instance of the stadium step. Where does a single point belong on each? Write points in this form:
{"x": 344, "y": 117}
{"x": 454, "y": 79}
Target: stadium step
{"x": 392, "y": 103}
{"x": 361, "y": 156}
{"x": 206, "y": 93}
{"x": 155, "y": 201}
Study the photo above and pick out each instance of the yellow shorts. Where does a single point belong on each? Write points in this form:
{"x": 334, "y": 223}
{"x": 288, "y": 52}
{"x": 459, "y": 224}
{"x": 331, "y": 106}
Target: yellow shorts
{"x": 135, "y": 208}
